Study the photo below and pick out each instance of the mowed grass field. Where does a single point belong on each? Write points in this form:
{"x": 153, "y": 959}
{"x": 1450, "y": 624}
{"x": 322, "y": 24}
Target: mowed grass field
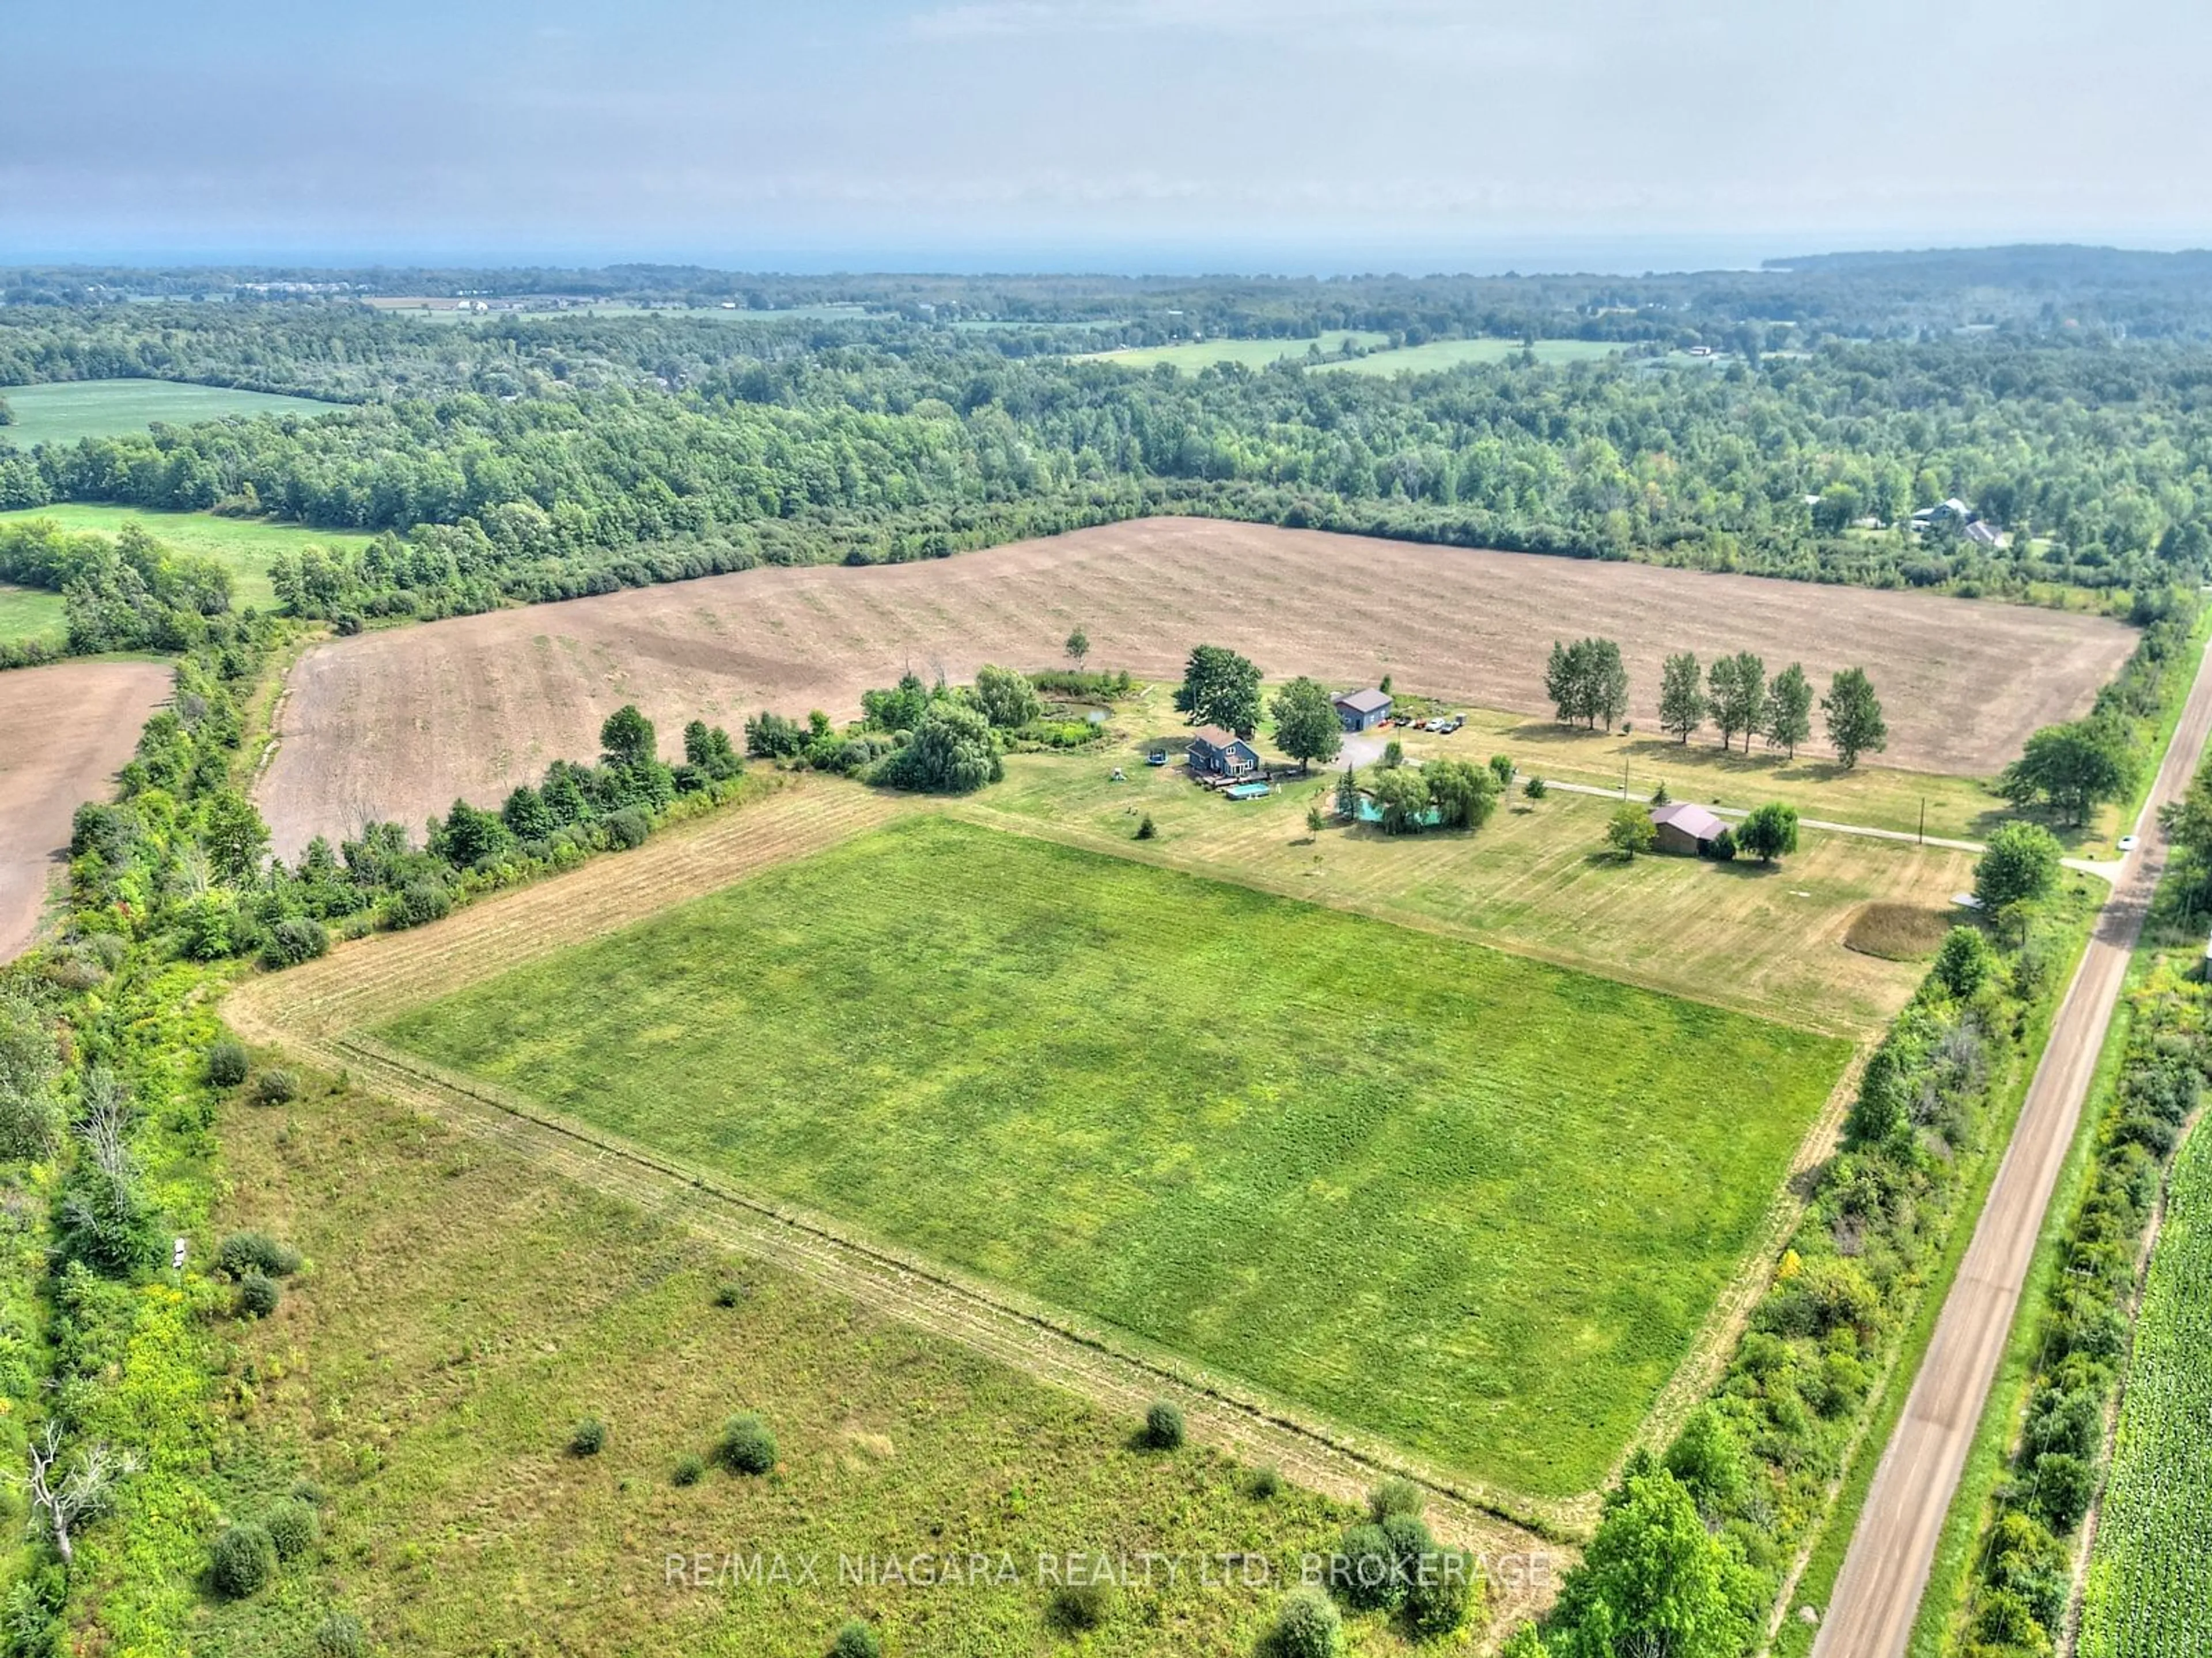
{"x": 464, "y": 1309}
{"x": 1474, "y": 1202}
{"x": 1538, "y": 878}
{"x": 66, "y": 410}
{"x": 1438, "y": 356}
{"x": 2150, "y": 1579}
{"x": 1252, "y": 353}
{"x": 29, "y": 613}
{"x": 244, "y": 546}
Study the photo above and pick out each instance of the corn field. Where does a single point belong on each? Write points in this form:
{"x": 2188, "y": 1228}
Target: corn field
{"x": 2149, "y": 1590}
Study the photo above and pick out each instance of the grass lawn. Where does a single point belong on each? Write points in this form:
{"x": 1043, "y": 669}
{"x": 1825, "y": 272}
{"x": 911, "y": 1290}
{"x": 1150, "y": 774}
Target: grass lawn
{"x": 1253, "y": 353}
{"x": 1537, "y": 878}
{"x": 30, "y": 613}
{"x": 1880, "y": 796}
{"x": 1440, "y": 354}
{"x": 66, "y": 410}
{"x": 464, "y": 1309}
{"x": 1470, "y": 1201}
{"x": 244, "y": 545}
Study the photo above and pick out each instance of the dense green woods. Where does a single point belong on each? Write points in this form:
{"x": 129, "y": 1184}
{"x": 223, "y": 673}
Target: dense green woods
{"x": 528, "y": 458}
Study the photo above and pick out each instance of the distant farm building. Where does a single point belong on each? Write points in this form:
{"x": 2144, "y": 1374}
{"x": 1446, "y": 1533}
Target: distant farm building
{"x": 1362, "y": 711}
{"x": 1217, "y": 753}
{"x": 1685, "y": 829}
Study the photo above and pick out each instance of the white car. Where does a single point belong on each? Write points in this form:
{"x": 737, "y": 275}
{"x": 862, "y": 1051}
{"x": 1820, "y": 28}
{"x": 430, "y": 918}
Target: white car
{"x": 2127, "y": 843}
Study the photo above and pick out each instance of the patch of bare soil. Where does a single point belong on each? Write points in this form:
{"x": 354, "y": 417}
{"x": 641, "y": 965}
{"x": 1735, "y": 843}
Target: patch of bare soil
{"x": 400, "y": 724}
{"x": 65, "y": 730}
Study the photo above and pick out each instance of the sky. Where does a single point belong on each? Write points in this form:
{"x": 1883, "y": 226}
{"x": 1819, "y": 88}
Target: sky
{"x": 1133, "y": 135}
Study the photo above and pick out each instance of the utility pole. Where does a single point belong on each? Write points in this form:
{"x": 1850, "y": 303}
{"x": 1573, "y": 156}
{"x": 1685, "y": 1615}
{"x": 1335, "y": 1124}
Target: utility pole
{"x": 1623, "y": 777}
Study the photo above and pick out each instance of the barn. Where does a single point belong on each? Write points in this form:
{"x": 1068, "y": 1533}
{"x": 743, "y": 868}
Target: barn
{"x": 1685, "y": 829}
{"x": 1359, "y": 710}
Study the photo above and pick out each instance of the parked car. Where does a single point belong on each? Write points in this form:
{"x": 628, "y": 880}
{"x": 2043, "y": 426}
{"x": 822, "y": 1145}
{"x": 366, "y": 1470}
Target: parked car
{"x": 2127, "y": 843}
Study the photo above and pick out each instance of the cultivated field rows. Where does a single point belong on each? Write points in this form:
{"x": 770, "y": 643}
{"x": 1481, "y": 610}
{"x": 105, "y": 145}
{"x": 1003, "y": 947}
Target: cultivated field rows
{"x": 65, "y": 732}
{"x": 400, "y": 724}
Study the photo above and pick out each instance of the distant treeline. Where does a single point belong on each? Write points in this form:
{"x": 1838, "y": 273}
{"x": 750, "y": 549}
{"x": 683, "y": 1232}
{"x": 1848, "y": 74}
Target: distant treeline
{"x": 2091, "y": 460}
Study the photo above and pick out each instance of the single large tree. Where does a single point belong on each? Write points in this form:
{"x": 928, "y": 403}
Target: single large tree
{"x": 1078, "y": 647}
{"x": 1220, "y": 688}
{"x": 627, "y": 738}
{"x": 1738, "y": 686}
{"x": 1465, "y": 794}
{"x": 1853, "y": 715}
{"x": 2019, "y": 865}
{"x": 235, "y": 837}
{"x": 1771, "y": 832}
{"x": 1653, "y": 1581}
{"x": 1629, "y": 831}
{"x": 2073, "y": 767}
{"x": 1006, "y": 696}
{"x": 952, "y": 751}
{"x": 1587, "y": 682}
{"x": 1681, "y": 696}
{"x": 1306, "y": 724}
{"x": 1789, "y": 719}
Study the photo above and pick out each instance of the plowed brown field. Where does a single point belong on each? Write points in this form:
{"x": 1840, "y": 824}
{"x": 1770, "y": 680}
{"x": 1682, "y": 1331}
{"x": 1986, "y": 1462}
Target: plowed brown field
{"x": 64, "y": 731}
{"x": 398, "y": 724}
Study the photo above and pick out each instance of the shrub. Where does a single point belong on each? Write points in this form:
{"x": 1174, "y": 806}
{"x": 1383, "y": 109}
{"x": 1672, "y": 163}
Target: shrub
{"x": 1724, "y": 847}
{"x": 689, "y": 1470}
{"x": 1083, "y": 1606}
{"x": 292, "y": 1526}
{"x": 341, "y": 1635}
{"x": 1963, "y": 963}
{"x": 1444, "y": 1591}
{"x": 294, "y": 940}
{"x": 856, "y": 1640}
{"x": 258, "y": 1296}
{"x": 1535, "y": 788}
{"x": 1366, "y": 1570}
{"x": 1146, "y": 830}
{"x": 244, "y": 1252}
{"x": 627, "y": 827}
{"x": 1164, "y": 1426}
{"x": 1265, "y": 1483}
{"x": 277, "y": 1087}
{"x": 729, "y": 1293}
{"x": 747, "y": 1446}
{"x": 1395, "y": 1496}
{"x": 589, "y": 1438}
{"x": 1307, "y": 1627}
{"x": 1501, "y": 768}
{"x": 1660, "y": 797}
{"x": 417, "y": 904}
{"x": 226, "y": 1063}
{"x": 244, "y": 1560}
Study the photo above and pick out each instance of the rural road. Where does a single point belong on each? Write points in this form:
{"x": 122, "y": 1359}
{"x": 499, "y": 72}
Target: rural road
{"x": 1877, "y": 1595}
{"x": 2108, "y": 868}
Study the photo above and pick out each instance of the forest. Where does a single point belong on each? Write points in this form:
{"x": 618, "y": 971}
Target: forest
{"x": 526, "y": 457}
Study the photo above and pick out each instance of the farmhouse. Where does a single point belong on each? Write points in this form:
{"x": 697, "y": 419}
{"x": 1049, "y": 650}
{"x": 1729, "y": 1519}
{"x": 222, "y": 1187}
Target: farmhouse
{"x": 1217, "y": 753}
{"x": 1685, "y": 829}
{"x": 1361, "y": 711}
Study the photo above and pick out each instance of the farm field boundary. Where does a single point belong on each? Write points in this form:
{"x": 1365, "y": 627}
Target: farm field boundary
{"x": 513, "y": 689}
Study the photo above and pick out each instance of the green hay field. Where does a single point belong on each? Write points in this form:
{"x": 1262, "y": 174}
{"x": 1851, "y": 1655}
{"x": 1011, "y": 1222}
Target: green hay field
{"x": 28, "y": 613}
{"x": 66, "y": 410}
{"x": 1476, "y": 1203}
{"x": 1253, "y": 353}
{"x": 1440, "y": 354}
{"x": 245, "y": 545}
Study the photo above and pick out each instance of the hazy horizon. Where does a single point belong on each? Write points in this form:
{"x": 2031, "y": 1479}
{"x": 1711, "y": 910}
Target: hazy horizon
{"x": 1298, "y": 136}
